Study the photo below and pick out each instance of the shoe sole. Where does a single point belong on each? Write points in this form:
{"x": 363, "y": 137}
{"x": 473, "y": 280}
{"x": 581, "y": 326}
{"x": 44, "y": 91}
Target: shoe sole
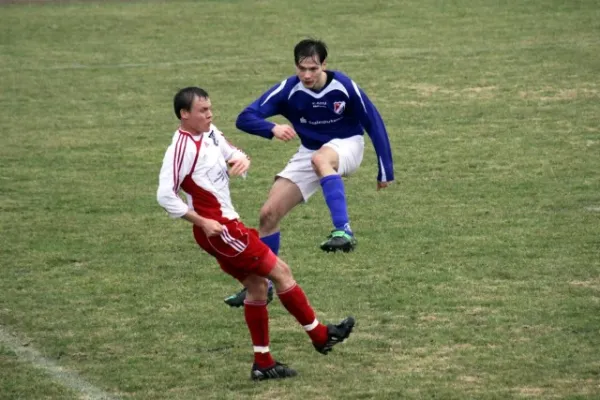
{"x": 351, "y": 324}
{"x": 345, "y": 249}
{"x": 233, "y": 305}
{"x": 260, "y": 378}
{"x": 269, "y": 379}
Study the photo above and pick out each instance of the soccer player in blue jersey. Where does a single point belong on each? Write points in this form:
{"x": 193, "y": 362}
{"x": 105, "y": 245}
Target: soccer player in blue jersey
{"x": 329, "y": 112}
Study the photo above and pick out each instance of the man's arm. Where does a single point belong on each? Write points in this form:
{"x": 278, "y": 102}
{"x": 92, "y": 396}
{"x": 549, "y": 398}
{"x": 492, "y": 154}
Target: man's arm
{"x": 236, "y": 158}
{"x": 229, "y": 151}
{"x": 173, "y": 171}
{"x": 209, "y": 226}
{"x": 372, "y": 122}
{"x": 253, "y": 119}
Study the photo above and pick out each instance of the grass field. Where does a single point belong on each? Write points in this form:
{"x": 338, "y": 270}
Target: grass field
{"x": 477, "y": 274}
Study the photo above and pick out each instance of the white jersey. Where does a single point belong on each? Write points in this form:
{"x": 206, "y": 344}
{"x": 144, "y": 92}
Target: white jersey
{"x": 197, "y": 165}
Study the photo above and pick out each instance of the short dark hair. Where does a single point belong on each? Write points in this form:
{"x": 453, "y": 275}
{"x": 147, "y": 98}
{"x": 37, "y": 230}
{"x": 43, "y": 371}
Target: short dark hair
{"x": 185, "y": 97}
{"x": 308, "y": 48}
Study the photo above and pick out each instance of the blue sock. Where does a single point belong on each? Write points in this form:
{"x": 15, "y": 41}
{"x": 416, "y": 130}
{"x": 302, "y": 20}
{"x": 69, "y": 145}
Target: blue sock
{"x": 335, "y": 197}
{"x": 272, "y": 241}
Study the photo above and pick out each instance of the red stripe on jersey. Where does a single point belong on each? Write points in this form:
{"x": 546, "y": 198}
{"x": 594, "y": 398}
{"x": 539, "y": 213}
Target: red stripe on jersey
{"x": 203, "y": 201}
{"x": 181, "y": 156}
{"x": 176, "y": 157}
{"x": 185, "y": 142}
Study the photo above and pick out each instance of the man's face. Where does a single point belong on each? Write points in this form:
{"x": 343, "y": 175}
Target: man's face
{"x": 310, "y": 70}
{"x": 199, "y": 118}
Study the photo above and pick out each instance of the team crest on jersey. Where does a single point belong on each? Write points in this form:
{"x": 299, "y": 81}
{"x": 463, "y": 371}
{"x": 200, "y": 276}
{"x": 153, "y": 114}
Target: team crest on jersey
{"x": 214, "y": 138}
{"x": 339, "y": 107}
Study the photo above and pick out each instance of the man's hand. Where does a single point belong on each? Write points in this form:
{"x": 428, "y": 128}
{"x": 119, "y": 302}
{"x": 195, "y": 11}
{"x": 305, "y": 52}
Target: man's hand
{"x": 211, "y": 227}
{"x": 283, "y": 132}
{"x": 382, "y": 185}
{"x": 239, "y": 166}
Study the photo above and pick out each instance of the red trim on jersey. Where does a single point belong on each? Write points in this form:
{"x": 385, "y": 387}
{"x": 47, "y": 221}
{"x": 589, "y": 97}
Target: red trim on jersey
{"x": 198, "y": 145}
{"x": 185, "y": 132}
{"x": 177, "y": 158}
{"x": 174, "y": 164}
{"x": 203, "y": 201}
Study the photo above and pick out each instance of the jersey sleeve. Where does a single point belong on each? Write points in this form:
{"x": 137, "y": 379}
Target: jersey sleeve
{"x": 177, "y": 164}
{"x": 253, "y": 119}
{"x": 229, "y": 151}
{"x": 372, "y": 122}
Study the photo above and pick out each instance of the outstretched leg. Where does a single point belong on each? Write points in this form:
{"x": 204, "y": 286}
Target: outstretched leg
{"x": 283, "y": 197}
{"x": 296, "y": 302}
{"x": 325, "y": 162}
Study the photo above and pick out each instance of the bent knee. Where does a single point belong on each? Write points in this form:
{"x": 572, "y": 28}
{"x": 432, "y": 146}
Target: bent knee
{"x": 318, "y": 159}
{"x": 284, "y": 269}
{"x": 257, "y": 286}
{"x": 269, "y": 216}
{"x": 323, "y": 161}
{"x": 281, "y": 273}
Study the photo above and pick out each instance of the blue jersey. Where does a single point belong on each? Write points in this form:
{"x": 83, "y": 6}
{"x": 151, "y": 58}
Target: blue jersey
{"x": 339, "y": 110}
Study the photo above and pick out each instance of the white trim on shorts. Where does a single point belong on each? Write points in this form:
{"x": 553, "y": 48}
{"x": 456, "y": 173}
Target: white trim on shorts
{"x": 299, "y": 169}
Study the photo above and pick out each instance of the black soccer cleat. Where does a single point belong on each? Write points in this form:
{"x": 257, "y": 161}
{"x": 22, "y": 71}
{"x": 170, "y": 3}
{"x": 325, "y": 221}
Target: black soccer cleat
{"x": 277, "y": 371}
{"x": 339, "y": 240}
{"x": 237, "y": 300}
{"x": 336, "y": 334}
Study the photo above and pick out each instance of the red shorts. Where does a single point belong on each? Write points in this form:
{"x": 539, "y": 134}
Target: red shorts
{"x": 239, "y": 250}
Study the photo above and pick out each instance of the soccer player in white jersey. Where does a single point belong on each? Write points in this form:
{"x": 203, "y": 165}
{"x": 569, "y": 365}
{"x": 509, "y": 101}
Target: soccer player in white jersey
{"x": 198, "y": 163}
{"x": 329, "y": 112}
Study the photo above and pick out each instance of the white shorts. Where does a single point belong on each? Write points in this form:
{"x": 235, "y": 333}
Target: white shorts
{"x": 299, "y": 169}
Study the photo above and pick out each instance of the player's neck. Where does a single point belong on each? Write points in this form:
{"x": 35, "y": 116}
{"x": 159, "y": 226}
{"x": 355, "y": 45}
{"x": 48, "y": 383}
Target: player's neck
{"x": 187, "y": 130}
{"x": 321, "y": 82}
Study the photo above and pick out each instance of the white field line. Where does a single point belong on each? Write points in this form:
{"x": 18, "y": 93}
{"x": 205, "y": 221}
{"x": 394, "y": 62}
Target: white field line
{"x": 66, "y": 378}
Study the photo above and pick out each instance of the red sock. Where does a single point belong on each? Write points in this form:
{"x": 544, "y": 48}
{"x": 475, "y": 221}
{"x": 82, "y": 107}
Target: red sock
{"x": 257, "y": 319}
{"x": 296, "y": 302}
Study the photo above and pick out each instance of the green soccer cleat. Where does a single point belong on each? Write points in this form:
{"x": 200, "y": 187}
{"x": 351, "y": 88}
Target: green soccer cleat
{"x": 237, "y": 300}
{"x": 339, "y": 240}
